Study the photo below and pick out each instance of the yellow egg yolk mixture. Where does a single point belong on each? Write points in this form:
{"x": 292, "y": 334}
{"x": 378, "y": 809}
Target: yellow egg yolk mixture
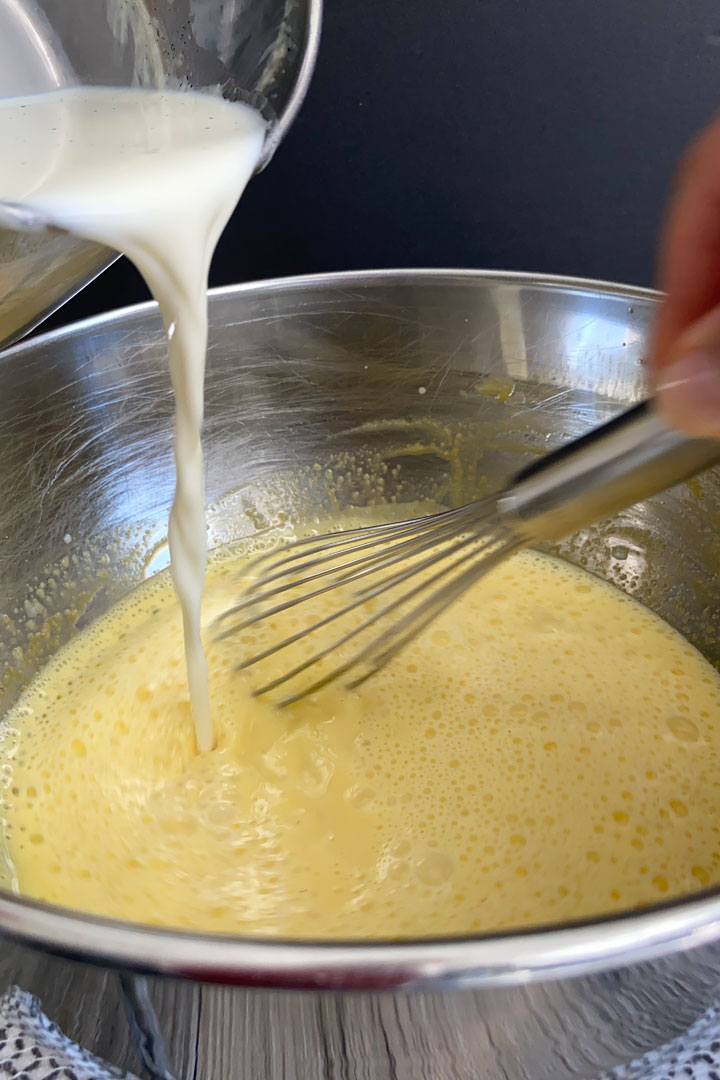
{"x": 548, "y": 749}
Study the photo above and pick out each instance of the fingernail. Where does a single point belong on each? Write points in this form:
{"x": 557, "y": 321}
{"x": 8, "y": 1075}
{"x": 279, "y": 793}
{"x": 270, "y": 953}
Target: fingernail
{"x": 689, "y": 392}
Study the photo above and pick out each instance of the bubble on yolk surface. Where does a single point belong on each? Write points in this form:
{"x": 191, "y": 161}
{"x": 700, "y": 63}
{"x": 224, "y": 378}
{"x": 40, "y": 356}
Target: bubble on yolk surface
{"x": 549, "y": 749}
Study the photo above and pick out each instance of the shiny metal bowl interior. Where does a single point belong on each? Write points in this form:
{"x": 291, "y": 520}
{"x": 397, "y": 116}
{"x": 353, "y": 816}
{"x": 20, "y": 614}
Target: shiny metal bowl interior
{"x": 325, "y": 393}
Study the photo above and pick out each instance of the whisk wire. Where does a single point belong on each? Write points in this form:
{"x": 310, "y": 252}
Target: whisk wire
{"x": 367, "y": 653}
{"x": 432, "y": 607}
{"x": 392, "y": 553}
{"x": 380, "y": 588}
{"x": 329, "y": 541}
{"x": 414, "y": 623}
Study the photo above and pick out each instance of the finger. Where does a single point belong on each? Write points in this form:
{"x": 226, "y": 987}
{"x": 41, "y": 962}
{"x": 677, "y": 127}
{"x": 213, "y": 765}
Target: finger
{"x": 686, "y": 347}
{"x": 689, "y": 262}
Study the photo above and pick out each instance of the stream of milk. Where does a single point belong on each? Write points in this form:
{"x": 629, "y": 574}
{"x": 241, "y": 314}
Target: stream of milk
{"x": 155, "y": 175}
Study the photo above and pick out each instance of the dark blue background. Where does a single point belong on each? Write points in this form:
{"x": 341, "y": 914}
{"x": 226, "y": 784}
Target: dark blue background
{"x": 522, "y": 134}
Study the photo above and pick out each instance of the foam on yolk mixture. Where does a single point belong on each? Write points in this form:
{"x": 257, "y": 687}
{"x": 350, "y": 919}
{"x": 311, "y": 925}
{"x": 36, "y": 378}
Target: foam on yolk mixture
{"x": 549, "y": 749}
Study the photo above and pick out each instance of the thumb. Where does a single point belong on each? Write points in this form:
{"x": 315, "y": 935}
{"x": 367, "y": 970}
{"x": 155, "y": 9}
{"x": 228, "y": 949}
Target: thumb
{"x": 686, "y": 347}
{"x": 688, "y": 384}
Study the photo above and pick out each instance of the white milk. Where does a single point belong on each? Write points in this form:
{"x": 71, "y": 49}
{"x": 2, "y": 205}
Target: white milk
{"x": 156, "y": 176}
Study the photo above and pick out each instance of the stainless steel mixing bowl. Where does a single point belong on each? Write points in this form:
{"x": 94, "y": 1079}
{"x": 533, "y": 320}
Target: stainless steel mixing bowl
{"x": 328, "y": 392}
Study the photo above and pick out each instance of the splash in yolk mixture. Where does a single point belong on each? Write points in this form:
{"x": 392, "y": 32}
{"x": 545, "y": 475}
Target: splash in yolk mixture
{"x": 549, "y": 749}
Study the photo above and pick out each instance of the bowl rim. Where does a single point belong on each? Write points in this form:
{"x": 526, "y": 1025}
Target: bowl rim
{"x": 493, "y": 959}
{"x": 394, "y": 276}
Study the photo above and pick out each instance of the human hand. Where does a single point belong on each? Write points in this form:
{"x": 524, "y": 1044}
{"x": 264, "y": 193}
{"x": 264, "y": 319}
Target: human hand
{"x": 686, "y": 347}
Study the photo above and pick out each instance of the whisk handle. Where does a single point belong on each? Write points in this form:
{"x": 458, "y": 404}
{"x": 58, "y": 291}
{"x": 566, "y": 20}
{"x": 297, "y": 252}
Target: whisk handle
{"x": 624, "y": 461}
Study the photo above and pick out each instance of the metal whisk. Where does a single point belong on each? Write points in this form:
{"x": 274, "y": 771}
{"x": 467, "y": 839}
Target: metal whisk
{"x": 398, "y": 578}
